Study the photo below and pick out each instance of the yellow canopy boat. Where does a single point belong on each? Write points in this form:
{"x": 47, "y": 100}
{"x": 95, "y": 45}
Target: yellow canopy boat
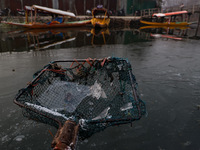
{"x": 100, "y": 17}
{"x": 58, "y": 22}
{"x": 168, "y": 19}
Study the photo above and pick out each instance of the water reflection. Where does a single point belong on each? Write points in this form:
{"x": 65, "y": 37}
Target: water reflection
{"x": 37, "y": 39}
{"x": 41, "y": 39}
{"x": 175, "y": 33}
{"x": 26, "y": 40}
{"x": 98, "y": 33}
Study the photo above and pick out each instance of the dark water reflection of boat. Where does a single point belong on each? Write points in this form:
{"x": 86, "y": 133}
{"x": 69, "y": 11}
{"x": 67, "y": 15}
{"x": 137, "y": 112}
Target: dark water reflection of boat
{"x": 44, "y": 39}
{"x": 176, "y": 33}
{"x": 99, "y": 33}
{"x": 41, "y": 39}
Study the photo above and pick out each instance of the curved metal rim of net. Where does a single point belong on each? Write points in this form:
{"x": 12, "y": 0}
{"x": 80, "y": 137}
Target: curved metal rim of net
{"x": 128, "y": 119}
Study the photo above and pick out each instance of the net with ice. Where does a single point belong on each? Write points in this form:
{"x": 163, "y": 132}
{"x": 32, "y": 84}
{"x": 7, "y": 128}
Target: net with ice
{"x": 95, "y": 93}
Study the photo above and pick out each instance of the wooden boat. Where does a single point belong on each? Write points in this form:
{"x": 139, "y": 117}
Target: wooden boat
{"x": 100, "y": 18}
{"x": 167, "y": 19}
{"x": 58, "y": 22}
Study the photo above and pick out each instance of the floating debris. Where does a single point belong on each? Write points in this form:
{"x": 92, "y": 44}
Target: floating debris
{"x": 126, "y": 107}
{"x": 187, "y": 143}
{"x": 19, "y": 138}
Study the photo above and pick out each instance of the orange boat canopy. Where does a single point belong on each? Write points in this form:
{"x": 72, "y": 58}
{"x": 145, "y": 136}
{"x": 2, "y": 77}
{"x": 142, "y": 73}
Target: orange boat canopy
{"x": 169, "y": 14}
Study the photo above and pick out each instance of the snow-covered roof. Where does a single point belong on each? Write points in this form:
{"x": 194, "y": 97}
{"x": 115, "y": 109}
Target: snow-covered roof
{"x": 55, "y": 11}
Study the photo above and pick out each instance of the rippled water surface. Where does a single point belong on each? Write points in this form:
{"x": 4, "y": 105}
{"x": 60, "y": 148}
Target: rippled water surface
{"x": 167, "y": 71}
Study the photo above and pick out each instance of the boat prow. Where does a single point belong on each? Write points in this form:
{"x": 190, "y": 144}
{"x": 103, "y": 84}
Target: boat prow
{"x": 100, "y": 18}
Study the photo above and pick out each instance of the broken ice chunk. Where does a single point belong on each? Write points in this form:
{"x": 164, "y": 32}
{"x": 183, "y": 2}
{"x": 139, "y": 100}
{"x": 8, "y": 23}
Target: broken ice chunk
{"x": 19, "y": 138}
{"x": 97, "y": 91}
{"x": 103, "y": 114}
{"x": 126, "y": 107}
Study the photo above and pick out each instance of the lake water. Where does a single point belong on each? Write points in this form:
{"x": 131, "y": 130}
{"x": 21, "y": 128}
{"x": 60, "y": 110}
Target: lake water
{"x": 167, "y": 69}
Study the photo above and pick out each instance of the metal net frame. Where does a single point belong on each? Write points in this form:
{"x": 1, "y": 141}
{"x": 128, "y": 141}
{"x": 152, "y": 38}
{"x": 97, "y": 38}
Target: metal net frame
{"x": 95, "y": 93}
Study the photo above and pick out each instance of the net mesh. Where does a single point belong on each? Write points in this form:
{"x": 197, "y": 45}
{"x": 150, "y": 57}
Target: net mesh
{"x": 94, "y": 93}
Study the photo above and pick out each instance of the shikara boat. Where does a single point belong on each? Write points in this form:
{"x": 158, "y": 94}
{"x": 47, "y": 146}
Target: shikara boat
{"x": 100, "y": 17}
{"x": 168, "y": 19}
{"x": 59, "y": 19}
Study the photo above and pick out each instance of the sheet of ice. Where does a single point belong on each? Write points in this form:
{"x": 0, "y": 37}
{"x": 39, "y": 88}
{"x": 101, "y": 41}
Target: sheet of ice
{"x": 97, "y": 91}
{"x": 103, "y": 114}
{"x": 40, "y": 108}
{"x": 61, "y": 95}
{"x": 126, "y": 107}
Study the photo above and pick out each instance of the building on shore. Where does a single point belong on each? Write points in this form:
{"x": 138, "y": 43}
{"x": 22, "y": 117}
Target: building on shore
{"x": 79, "y": 7}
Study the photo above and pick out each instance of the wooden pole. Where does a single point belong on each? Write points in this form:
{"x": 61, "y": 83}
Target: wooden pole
{"x": 108, "y": 3}
{"x": 35, "y": 15}
{"x": 193, "y": 9}
{"x": 94, "y": 3}
{"x": 22, "y": 4}
{"x": 26, "y": 16}
{"x": 84, "y": 7}
{"x": 66, "y": 136}
{"x": 75, "y": 9}
{"x": 197, "y": 26}
{"x": 31, "y": 15}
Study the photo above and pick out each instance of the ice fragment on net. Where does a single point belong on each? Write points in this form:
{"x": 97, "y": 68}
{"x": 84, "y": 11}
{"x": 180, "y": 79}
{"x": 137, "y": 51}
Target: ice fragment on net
{"x": 127, "y": 106}
{"x": 97, "y": 91}
{"x": 103, "y": 114}
{"x": 19, "y": 138}
{"x": 40, "y": 108}
{"x": 62, "y": 95}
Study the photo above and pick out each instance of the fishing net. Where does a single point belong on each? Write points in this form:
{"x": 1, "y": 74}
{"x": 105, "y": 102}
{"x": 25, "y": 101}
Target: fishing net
{"x": 93, "y": 93}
